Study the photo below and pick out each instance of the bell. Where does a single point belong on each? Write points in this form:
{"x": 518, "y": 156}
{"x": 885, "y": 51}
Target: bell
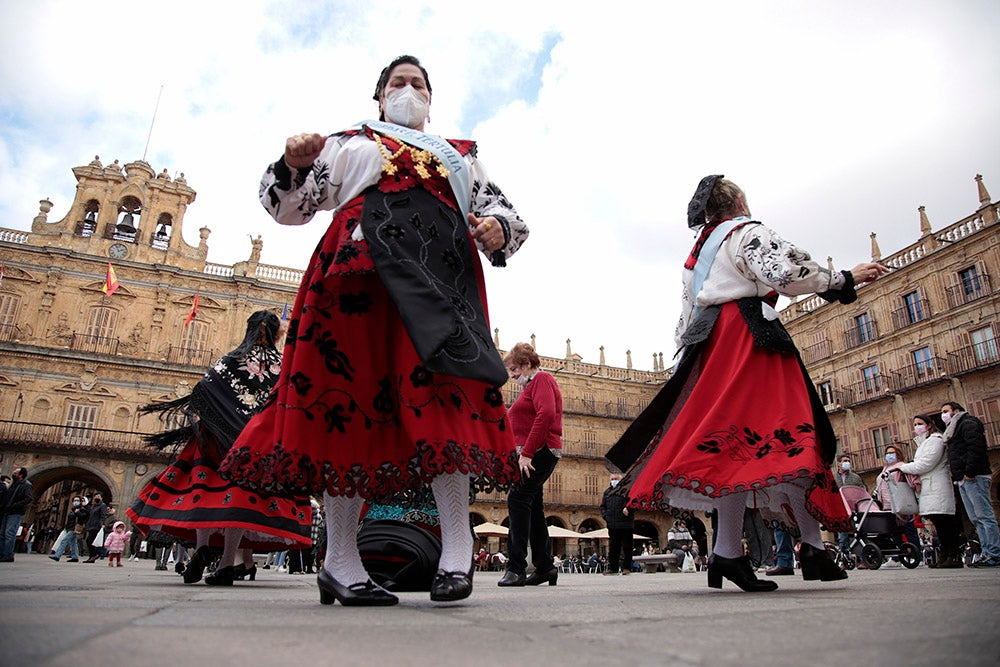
{"x": 125, "y": 226}
{"x": 91, "y": 216}
{"x": 162, "y": 232}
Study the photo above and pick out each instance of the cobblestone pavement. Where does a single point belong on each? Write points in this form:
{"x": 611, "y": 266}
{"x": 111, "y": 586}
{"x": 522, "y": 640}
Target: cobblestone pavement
{"x": 78, "y": 615}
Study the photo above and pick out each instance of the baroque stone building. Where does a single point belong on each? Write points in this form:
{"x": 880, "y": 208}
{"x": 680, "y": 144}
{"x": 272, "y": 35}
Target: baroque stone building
{"x": 76, "y": 362}
{"x": 924, "y": 334}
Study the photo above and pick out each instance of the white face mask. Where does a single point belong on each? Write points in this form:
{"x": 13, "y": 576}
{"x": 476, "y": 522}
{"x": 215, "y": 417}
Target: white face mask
{"x": 890, "y": 458}
{"x": 946, "y": 417}
{"x": 920, "y": 429}
{"x": 614, "y": 482}
{"x": 846, "y": 465}
{"x": 406, "y": 107}
{"x": 522, "y": 380}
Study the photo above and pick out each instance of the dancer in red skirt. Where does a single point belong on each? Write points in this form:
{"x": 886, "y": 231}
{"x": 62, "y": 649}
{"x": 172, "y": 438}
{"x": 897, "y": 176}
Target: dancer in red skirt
{"x": 390, "y": 379}
{"x": 189, "y": 500}
{"x": 739, "y": 423}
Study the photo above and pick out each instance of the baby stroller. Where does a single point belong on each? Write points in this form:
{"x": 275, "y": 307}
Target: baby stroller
{"x": 874, "y": 534}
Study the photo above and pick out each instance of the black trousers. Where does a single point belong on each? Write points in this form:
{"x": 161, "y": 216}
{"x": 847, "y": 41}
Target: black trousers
{"x": 619, "y": 549}
{"x": 527, "y": 517}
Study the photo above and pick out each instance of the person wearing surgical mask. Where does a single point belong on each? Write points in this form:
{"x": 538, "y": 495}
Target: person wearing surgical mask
{"x": 894, "y": 458}
{"x": 620, "y": 524}
{"x": 936, "y": 497}
{"x": 390, "y": 379}
{"x": 536, "y": 421}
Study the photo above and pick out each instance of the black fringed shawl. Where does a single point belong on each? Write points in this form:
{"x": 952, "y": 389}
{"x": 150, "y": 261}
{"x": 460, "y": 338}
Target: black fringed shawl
{"x": 230, "y": 392}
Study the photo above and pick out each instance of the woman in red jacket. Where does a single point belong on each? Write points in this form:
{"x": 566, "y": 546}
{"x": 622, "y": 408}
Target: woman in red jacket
{"x": 536, "y": 420}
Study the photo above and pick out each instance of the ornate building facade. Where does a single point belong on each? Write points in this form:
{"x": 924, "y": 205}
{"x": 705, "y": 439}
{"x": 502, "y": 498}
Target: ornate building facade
{"x": 78, "y": 360}
{"x": 924, "y": 334}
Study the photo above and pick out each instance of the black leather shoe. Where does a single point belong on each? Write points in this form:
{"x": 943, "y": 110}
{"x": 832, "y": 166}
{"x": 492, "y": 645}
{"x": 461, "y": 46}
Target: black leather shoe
{"x": 779, "y": 571}
{"x": 368, "y": 594}
{"x": 537, "y": 578}
{"x": 242, "y": 571}
{"x": 737, "y": 570}
{"x": 224, "y": 576}
{"x": 818, "y": 564}
{"x": 196, "y": 566}
{"x": 451, "y": 586}
{"x": 511, "y": 578}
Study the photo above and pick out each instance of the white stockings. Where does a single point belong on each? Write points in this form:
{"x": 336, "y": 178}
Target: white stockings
{"x": 343, "y": 562}
{"x": 451, "y": 494}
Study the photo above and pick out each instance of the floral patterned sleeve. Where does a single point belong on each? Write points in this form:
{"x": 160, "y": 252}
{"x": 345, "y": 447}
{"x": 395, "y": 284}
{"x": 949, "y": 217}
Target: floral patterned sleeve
{"x": 488, "y": 199}
{"x": 293, "y": 196}
{"x": 769, "y": 259}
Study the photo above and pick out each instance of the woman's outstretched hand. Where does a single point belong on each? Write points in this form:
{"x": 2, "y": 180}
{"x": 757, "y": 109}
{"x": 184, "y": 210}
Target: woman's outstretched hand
{"x": 866, "y": 272}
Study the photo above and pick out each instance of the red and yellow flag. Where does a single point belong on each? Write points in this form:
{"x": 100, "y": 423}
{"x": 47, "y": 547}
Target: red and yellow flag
{"x": 194, "y": 310}
{"x": 111, "y": 282}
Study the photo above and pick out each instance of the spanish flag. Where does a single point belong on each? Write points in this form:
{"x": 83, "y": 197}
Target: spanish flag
{"x": 194, "y": 309}
{"x": 111, "y": 282}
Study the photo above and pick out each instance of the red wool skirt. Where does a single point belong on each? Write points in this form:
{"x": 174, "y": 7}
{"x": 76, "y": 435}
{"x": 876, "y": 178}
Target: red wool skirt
{"x": 190, "y": 495}
{"x": 742, "y": 422}
{"x": 355, "y": 412}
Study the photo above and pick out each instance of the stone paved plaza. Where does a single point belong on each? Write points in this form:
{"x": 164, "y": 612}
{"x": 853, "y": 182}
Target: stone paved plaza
{"x": 81, "y": 615}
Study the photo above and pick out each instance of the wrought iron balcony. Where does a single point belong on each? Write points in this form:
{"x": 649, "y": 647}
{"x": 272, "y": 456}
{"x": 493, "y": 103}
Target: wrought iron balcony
{"x": 968, "y": 291}
{"x": 96, "y": 344}
{"x": 933, "y": 369}
{"x": 816, "y": 351}
{"x": 974, "y": 357}
{"x": 911, "y": 314}
{"x": 190, "y": 356}
{"x": 62, "y": 437}
{"x": 860, "y": 334}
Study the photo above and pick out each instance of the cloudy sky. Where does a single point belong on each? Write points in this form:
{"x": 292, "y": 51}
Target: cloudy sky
{"x": 838, "y": 119}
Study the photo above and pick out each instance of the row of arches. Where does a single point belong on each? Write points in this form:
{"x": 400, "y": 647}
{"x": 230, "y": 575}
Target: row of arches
{"x": 128, "y": 220}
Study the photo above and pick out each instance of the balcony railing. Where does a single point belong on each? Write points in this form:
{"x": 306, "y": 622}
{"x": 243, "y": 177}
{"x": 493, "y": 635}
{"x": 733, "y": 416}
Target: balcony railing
{"x": 861, "y": 334}
{"x": 190, "y": 356}
{"x": 911, "y": 314}
{"x": 968, "y": 291}
{"x": 872, "y": 389}
{"x": 974, "y": 357}
{"x": 817, "y": 351}
{"x": 77, "y": 438}
{"x": 933, "y": 369}
{"x": 96, "y": 344}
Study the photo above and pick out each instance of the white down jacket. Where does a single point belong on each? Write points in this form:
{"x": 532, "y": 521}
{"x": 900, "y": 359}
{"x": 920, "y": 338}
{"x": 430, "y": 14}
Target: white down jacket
{"x": 937, "y": 494}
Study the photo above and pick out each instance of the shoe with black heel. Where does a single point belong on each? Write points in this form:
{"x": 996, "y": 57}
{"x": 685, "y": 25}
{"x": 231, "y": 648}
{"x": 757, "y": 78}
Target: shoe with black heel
{"x": 511, "y": 578}
{"x": 196, "y": 566}
{"x": 242, "y": 572}
{"x": 537, "y": 578}
{"x": 224, "y": 576}
{"x": 818, "y": 565}
{"x": 737, "y": 570}
{"x": 451, "y": 586}
{"x": 368, "y": 594}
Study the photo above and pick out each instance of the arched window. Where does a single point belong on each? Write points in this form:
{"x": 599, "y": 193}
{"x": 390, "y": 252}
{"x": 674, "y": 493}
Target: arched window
{"x": 127, "y": 225}
{"x": 88, "y": 225}
{"x": 40, "y": 411}
{"x": 164, "y": 229}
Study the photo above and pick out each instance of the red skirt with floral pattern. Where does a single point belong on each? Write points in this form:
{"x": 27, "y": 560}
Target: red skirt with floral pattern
{"x": 355, "y": 412}
{"x": 190, "y": 495}
{"x": 743, "y": 422}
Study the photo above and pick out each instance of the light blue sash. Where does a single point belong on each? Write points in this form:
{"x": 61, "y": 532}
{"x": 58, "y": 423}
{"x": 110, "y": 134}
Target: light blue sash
{"x": 707, "y": 256}
{"x": 445, "y": 152}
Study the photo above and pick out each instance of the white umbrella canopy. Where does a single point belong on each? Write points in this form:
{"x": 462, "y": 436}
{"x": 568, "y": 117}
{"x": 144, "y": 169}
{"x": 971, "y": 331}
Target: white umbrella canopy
{"x": 562, "y": 533}
{"x": 485, "y": 529}
{"x": 602, "y": 534}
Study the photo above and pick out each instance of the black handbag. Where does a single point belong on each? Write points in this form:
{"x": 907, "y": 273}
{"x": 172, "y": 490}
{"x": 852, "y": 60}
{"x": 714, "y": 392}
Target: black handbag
{"x": 399, "y": 556}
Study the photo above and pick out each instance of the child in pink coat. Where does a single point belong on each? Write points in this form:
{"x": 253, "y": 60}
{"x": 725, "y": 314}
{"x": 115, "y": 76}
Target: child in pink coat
{"x": 115, "y": 544}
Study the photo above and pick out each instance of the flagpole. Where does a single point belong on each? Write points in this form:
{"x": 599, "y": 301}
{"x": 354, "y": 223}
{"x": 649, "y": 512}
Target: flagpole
{"x": 150, "y": 135}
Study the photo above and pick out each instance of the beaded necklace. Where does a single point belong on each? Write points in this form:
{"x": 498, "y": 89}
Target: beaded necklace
{"x": 421, "y": 159}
